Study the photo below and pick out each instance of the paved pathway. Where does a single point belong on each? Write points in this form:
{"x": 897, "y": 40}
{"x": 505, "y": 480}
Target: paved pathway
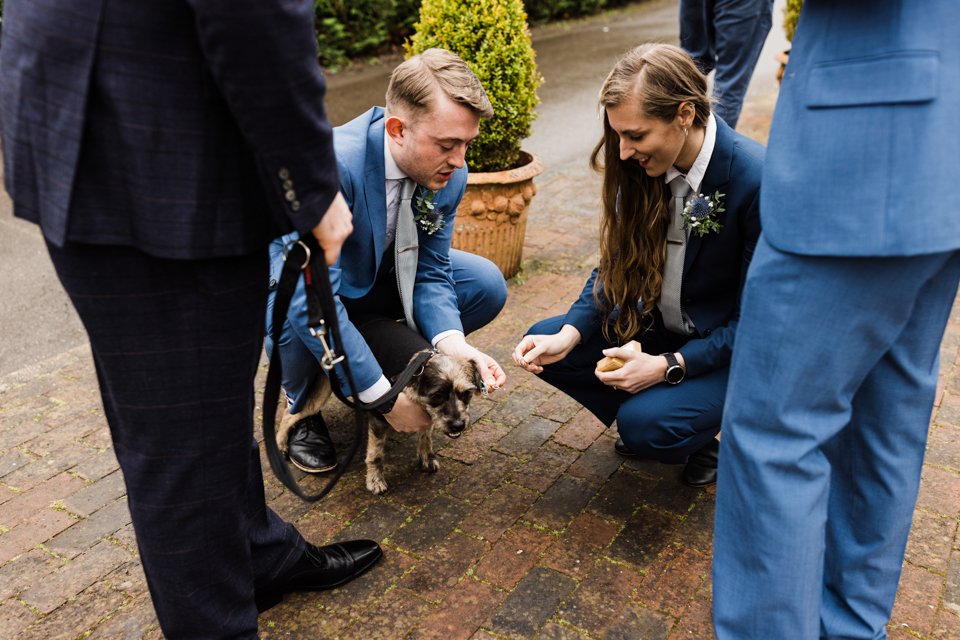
{"x": 533, "y": 528}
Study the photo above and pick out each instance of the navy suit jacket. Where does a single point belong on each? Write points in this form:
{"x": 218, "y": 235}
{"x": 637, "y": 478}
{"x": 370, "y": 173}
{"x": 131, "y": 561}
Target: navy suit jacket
{"x": 888, "y": 81}
{"x": 715, "y": 265}
{"x": 359, "y": 147}
{"x": 184, "y": 128}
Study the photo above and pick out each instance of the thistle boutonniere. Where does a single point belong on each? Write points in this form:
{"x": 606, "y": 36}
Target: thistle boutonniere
{"x": 701, "y": 212}
{"x": 426, "y": 214}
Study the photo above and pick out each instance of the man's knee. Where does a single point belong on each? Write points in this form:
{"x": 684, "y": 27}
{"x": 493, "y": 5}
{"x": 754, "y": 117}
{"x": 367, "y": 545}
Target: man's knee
{"x": 492, "y": 285}
{"x": 481, "y": 290}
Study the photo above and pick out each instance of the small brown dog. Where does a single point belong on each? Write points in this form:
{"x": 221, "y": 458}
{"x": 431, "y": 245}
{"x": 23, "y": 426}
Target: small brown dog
{"x": 444, "y": 388}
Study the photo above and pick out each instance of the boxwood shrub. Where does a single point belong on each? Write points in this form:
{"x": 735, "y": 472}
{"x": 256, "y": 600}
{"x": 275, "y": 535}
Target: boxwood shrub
{"x": 492, "y": 37}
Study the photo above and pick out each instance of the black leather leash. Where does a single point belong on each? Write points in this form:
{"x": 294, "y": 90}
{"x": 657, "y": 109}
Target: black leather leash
{"x": 305, "y": 256}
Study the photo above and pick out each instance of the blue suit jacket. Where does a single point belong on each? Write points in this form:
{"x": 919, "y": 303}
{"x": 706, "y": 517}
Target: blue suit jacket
{"x": 210, "y": 140}
{"x": 359, "y": 147}
{"x": 715, "y": 265}
{"x": 885, "y": 76}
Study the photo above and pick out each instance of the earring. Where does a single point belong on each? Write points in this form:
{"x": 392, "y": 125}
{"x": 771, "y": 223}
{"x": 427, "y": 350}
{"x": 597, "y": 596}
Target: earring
{"x": 684, "y": 131}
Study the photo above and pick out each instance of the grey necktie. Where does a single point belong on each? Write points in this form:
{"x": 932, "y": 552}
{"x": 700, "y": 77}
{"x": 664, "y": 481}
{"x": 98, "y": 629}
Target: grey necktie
{"x": 669, "y": 303}
{"x": 394, "y": 190}
{"x": 407, "y": 248}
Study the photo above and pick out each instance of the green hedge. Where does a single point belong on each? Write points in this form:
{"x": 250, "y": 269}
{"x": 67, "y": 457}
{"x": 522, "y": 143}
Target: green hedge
{"x": 351, "y": 29}
{"x": 545, "y": 10}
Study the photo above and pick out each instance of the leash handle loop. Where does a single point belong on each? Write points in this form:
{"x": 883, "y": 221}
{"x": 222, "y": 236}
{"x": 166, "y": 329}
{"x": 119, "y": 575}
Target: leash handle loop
{"x": 320, "y": 304}
{"x": 323, "y": 324}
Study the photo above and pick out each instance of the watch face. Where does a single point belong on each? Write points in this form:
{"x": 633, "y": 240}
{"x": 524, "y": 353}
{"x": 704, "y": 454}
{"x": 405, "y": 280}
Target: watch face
{"x": 675, "y": 374}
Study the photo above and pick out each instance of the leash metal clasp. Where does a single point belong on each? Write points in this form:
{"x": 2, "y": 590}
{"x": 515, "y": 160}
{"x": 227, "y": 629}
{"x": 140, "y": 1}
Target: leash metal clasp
{"x": 306, "y": 250}
{"x": 329, "y": 358}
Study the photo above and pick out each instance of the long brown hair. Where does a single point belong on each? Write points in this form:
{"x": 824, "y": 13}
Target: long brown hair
{"x": 633, "y": 225}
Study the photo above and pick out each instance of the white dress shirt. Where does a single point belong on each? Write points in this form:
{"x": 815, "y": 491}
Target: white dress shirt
{"x": 394, "y": 176}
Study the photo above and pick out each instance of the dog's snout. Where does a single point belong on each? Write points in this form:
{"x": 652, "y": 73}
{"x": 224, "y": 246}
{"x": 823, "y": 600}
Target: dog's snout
{"x": 457, "y": 426}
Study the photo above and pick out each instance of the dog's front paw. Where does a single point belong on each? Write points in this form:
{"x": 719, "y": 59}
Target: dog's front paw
{"x": 430, "y": 464}
{"x": 376, "y": 483}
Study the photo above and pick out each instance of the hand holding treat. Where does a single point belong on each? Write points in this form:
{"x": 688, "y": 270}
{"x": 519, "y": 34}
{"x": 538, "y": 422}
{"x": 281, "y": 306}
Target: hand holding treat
{"x": 610, "y": 363}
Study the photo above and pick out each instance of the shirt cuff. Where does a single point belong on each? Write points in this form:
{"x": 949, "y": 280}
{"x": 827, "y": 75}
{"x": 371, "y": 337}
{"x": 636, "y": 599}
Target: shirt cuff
{"x": 379, "y": 388}
{"x": 443, "y": 334}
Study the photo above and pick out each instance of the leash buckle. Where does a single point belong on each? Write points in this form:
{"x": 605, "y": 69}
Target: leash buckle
{"x": 329, "y": 358}
{"x": 292, "y": 245}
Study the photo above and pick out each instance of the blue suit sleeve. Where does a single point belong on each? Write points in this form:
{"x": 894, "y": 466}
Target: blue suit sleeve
{"x": 275, "y": 90}
{"x": 584, "y": 313}
{"x": 435, "y": 306}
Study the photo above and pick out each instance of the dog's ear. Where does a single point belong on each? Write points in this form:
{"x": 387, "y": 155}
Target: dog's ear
{"x": 473, "y": 372}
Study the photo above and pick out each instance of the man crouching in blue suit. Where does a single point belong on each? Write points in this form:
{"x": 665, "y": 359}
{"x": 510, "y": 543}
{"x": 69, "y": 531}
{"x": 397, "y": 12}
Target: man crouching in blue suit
{"x": 403, "y": 173}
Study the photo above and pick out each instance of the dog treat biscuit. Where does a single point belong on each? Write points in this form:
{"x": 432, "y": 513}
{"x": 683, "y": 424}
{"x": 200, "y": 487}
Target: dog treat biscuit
{"x": 610, "y": 363}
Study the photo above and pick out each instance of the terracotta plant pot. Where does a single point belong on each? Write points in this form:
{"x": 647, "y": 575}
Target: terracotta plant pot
{"x": 492, "y": 217}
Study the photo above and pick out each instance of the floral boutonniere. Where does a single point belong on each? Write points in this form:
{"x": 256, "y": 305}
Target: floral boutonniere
{"x": 701, "y": 212}
{"x": 426, "y": 214}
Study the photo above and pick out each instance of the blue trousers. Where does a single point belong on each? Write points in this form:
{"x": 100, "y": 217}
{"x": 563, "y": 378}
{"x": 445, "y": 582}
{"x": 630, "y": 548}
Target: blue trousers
{"x": 726, "y": 35}
{"x": 831, "y": 388}
{"x": 665, "y": 422}
{"x": 176, "y": 344}
{"x": 481, "y": 294}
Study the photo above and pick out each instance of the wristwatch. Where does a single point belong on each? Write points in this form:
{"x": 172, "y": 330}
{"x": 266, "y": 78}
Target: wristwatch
{"x": 675, "y": 372}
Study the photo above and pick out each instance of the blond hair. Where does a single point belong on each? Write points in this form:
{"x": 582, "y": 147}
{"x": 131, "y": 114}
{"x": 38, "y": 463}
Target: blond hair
{"x": 413, "y": 82}
{"x": 659, "y": 78}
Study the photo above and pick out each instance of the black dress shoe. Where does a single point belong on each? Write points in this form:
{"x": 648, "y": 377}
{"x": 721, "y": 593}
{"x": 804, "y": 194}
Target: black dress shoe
{"x": 701, "y": 469}
{"x": 322, "y": 568}
{"x": 622, "y": 449}
{"x": 309, "y": 447}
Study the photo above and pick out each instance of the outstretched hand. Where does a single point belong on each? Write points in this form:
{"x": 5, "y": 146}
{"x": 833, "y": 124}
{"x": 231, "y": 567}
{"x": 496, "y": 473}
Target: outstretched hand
{"x": 491, "y": 373}
{"x": 536, "y": 350}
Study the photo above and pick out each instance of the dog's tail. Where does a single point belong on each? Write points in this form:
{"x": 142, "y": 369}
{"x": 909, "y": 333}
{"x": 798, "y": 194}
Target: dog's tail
{"x": 316, "y": 397}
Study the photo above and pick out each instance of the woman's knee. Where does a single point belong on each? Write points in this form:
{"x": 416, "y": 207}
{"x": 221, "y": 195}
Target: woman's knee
{"x": 639, "y": 431}
{"x": 653, "y": 435}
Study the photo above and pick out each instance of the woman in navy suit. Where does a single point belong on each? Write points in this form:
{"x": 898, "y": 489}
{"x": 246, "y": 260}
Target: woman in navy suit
{"x": 678, "y": 227}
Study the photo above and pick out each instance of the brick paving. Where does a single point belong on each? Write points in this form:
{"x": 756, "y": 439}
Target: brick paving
{"x": 533, "y": 527}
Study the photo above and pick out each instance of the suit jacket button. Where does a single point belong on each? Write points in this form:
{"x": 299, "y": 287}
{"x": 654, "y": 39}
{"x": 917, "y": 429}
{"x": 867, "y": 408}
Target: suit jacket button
{"x": 290, "y": 195}
{"x": 284, "y": 173}
{"x": 708, "y": 332}
{"x": 295, "y": 205}
{"x": 287, "y": 185}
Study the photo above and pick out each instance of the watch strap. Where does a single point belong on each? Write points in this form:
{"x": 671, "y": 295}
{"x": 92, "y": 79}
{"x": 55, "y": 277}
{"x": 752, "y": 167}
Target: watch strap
{"x": 673, "y": 365}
